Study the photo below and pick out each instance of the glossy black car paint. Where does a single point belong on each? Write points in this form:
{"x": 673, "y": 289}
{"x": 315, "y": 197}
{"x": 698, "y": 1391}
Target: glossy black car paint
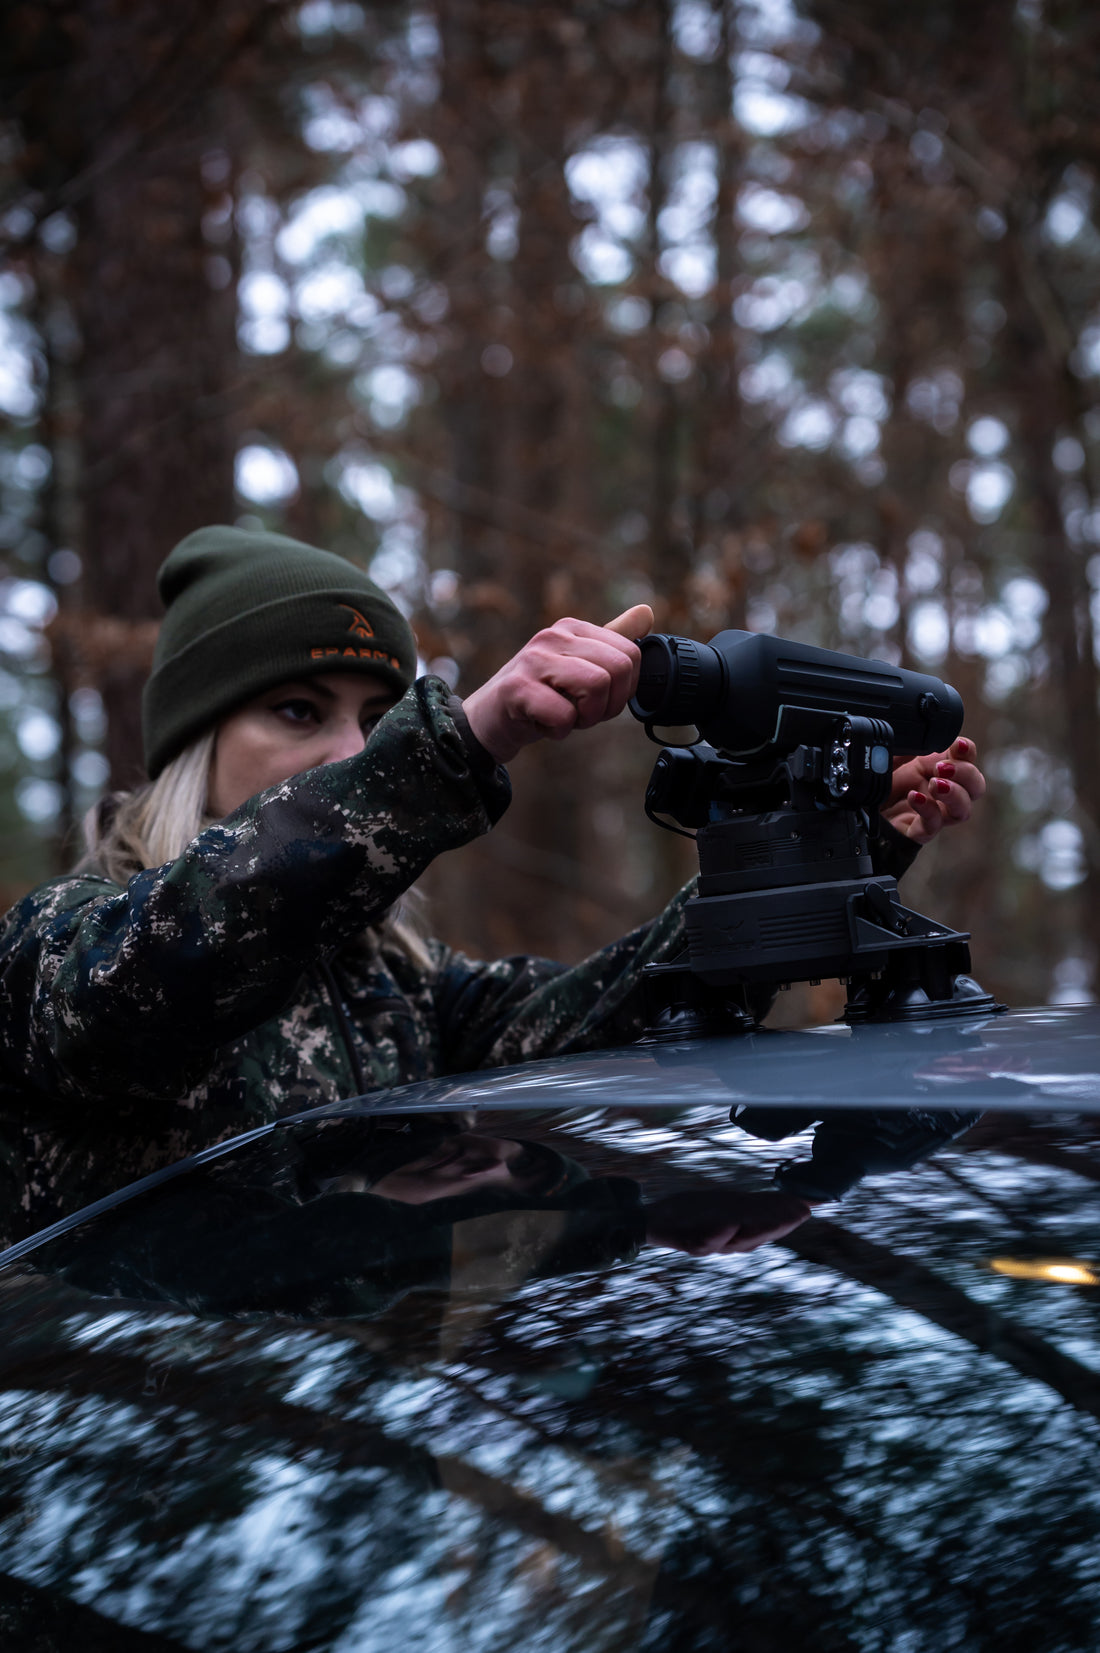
{"x": 861, "y": 1436}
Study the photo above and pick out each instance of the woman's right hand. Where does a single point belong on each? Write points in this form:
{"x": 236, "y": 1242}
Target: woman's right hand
{"x": 572, "y": 675}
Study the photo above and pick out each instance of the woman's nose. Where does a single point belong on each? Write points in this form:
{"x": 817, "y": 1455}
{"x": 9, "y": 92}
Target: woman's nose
{"x": 346, "y": 740}
{"x": 494, "y": 1149}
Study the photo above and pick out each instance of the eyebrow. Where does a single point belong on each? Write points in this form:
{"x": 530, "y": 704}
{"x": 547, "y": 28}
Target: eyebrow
{"x": 310, "y": 685}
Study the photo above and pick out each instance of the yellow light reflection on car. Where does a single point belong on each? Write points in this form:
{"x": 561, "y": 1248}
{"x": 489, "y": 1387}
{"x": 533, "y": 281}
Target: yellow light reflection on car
{"x": 1065, "y": 1271}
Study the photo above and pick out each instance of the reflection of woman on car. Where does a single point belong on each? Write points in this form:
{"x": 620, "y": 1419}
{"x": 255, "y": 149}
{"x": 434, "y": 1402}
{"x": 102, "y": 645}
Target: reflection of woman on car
{"x": 229, "y": 949}
{"x": 349, "y": 1216}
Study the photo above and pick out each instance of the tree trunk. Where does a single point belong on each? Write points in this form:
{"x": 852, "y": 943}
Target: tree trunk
{"x": 158, "y": 361}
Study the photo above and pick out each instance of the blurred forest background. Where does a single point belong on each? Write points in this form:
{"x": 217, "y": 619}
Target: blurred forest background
{"x": 777, "y": 315}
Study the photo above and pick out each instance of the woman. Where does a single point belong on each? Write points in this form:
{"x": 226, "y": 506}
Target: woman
{"x": 227, "y": 952}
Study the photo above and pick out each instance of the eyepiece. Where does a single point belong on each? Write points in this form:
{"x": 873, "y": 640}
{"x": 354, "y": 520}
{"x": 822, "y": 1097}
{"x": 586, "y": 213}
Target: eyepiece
{"x": 680, "y": 681}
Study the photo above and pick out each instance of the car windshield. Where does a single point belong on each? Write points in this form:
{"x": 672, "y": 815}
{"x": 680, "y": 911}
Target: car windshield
{"x": 584, "y": 1378}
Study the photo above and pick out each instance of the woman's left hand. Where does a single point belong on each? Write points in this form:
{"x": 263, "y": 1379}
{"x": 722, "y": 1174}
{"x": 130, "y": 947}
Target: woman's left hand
{"x": 934, "y": 791}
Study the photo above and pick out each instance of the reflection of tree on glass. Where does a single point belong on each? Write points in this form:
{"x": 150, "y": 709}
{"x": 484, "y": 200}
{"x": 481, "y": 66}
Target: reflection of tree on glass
{"x": 645, "y": 1443}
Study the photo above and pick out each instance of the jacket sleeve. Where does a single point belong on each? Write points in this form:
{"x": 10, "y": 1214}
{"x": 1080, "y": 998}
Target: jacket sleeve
{"x": 130, "y": 991}
{"x": 891, "y": 851}
{"x": 519, "y": 1009}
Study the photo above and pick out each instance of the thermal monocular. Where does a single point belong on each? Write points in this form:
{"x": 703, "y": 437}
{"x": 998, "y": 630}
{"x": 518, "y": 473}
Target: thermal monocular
{"x": 781, "y": 790}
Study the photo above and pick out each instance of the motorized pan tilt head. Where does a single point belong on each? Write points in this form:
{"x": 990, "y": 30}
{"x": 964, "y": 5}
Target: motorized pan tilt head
{"x": 781, "y": 791}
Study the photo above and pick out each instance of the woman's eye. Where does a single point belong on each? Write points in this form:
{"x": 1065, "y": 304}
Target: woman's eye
{"x": 297, "y": 711}
{"x": 369, "y": 723}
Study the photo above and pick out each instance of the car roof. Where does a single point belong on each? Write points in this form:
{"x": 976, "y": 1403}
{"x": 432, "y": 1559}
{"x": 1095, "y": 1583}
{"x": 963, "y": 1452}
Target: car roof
{"x": 527, "y": 1424}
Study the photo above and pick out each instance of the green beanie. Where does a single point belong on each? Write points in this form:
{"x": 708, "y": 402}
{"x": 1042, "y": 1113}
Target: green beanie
{"x": 247, "y": 610}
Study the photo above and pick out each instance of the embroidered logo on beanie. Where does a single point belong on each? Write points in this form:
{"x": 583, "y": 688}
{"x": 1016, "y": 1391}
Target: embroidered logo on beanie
{"x": 379, "y": 655}
{"x": 360, "y": 625}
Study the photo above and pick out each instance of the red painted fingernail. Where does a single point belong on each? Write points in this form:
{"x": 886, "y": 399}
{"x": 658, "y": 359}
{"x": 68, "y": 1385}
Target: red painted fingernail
{"x": 942, "y": 786}
{"x": 947, "y": 769}
{"x": 963, "y": 747}
{"x": 918, "y": 797}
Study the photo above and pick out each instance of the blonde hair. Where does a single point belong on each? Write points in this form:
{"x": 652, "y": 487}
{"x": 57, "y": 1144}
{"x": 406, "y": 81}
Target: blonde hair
{"x": 126, "y": 832}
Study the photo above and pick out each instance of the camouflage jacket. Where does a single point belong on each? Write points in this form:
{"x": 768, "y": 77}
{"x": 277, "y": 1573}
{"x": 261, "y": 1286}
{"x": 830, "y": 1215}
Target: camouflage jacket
{"x": 237, "y": 984}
